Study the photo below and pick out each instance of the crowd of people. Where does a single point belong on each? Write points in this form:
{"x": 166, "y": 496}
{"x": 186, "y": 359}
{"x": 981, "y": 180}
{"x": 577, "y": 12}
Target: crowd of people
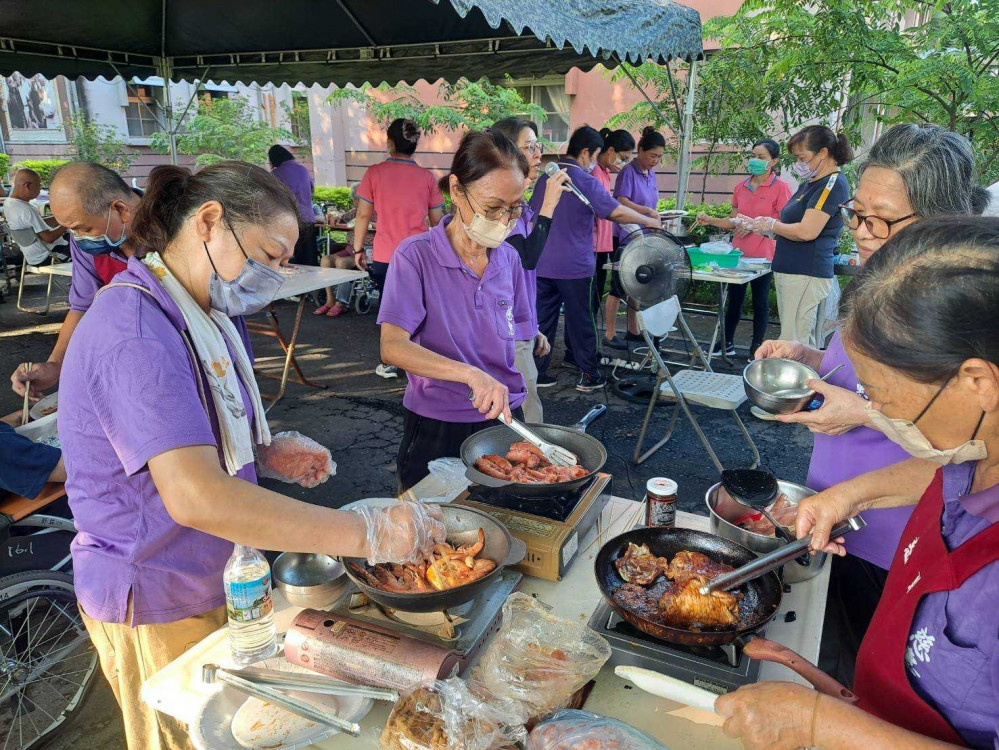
{"x": 159, "y": 408}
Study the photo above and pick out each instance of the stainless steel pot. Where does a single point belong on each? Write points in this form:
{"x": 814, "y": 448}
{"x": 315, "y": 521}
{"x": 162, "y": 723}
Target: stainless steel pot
{"x": 722, "y": 511}
{"x": 309, "y": 580}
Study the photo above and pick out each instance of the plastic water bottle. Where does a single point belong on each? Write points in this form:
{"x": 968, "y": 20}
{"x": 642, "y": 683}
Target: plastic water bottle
{"x": 249, "y": 606}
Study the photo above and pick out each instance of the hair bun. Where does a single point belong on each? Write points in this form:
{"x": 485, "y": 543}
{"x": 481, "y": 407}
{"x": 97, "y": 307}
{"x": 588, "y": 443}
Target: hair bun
{"x": 410, "y": 131}
{"x": 648, "y": 130}
{"x": 604, "y": 132}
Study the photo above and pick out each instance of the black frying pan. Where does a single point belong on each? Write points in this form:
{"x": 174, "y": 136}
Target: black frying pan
{"x": 497, "y": 441}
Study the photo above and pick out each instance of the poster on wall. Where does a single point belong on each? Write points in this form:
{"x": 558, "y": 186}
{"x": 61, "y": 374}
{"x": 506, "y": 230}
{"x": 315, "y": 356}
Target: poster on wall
{"x": 29, "y": 104}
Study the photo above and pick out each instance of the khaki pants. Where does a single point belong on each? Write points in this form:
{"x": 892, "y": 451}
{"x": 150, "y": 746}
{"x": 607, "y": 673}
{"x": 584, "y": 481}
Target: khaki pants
{"x": 525, "y": 365}
{"x": 129, "y": 656}
{"x": 799, "y": 299}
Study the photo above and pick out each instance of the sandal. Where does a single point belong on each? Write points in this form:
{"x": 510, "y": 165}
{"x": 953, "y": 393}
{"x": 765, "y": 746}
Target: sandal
{"x": 324, "y": 310}
{"x": 336, "y": 311}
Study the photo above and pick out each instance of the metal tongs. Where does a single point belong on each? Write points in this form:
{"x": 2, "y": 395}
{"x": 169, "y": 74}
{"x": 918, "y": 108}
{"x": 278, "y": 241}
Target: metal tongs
{"x": 554, "y": 453}
{"x": 766, "y": 563}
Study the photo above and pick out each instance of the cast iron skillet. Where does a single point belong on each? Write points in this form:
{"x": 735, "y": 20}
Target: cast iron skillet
{"x": 497, "y": 440}
{"x": 501, "y": 548}
{"x": 760, "y": 602}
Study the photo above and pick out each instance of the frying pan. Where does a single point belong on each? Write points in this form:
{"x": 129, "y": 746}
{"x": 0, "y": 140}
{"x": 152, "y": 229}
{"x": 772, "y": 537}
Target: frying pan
{"x": 464, "y": 523}
{"x": 760, "y": 602}
{"x": 497, "y": 441}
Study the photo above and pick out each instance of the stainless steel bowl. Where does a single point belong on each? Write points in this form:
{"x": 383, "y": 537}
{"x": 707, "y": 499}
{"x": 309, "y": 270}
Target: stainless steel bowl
{"x": 764, "y": 379}
{"x": 723, "y": 511}
{"x": 309, "y": 580}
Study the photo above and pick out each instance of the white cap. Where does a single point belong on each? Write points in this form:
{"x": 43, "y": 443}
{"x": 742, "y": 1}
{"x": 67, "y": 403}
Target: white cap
{"x": 661, "y": 486}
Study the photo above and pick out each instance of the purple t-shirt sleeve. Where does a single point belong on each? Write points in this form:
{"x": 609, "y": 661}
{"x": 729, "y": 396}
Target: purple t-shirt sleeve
{"x": 603, "y": 202}
{"x": 538, "y": 196}
{"x": 145, "y": 410}
{"x": 625, "y": 185}
{"x": 85, "y": 281}
{"x": 522, "y": 312}
{"x": 402, "y": 303}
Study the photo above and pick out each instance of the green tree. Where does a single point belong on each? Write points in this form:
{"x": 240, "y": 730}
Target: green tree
{"x": 463, "y": 105}
{"x": 224, "y": 129}
{"x": 91, "y": 141}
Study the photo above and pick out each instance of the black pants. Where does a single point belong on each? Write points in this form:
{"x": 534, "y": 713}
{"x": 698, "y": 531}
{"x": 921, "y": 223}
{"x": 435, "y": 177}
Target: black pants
{"x": 306, "y": 249}
{"x": 761, "y": 308}
{"x": 855, "y": 588}
{"x": 580, "y": 327}
{"x": 424, "y": 439}
{"x": 378, "y": 271}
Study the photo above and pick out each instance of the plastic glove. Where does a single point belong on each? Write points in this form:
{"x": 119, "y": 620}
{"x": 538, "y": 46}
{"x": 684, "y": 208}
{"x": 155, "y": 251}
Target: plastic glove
{"x": 296, "y": 459}
{"x": 404, "y": 532}
{"x": 764, "y": 225}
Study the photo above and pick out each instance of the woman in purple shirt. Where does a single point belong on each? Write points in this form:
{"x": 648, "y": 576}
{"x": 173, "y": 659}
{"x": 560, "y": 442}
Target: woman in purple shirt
{"x": 928, "y": 669}
{"x": 160, "y": 421}
{"x": 911, "y": 172}
{"x": 296, "y": 177}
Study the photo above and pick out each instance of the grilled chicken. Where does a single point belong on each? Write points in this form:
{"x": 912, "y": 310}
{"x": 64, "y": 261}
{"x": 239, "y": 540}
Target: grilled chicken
{"x": 636, "y": 599}
{"x": 687, "y": 564}
{"x": 683, "y": 605}
{"x": 638, "y": 565}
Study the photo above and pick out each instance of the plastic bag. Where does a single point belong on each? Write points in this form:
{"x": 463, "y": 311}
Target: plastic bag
{"x": 539, "y": 658}
{"x": 294, "y": 458}
{"x": 582, "y": 730}
{"x": 449, "y": 473}
{"x": 453, "y": 715}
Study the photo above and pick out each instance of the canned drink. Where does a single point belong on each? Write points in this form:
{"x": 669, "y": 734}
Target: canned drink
{"x": 660, "y": 502}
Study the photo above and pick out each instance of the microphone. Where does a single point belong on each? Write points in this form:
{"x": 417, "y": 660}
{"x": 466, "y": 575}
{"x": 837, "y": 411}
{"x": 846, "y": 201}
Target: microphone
{"x": 552, "y": 169}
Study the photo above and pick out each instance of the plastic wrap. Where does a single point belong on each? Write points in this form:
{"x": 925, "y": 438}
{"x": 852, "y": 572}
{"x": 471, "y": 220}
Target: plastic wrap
{"x": 539, "y": 658}
{"x": 582, "y": 730}
{"x": 453, "y": 715}
{"x": 449, "y": 473}
{"x": 404, "y": 532}
{"x": 294, "y": 458}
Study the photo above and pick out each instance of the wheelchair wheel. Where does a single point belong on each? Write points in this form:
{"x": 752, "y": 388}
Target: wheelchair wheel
{"x": 362, "y": 303}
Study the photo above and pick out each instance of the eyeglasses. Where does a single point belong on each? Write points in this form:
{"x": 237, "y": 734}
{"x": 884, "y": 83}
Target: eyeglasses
{"x": 494, "y": 214}
{"x": 534, "y": 147}
{"x": 878, "y": 227}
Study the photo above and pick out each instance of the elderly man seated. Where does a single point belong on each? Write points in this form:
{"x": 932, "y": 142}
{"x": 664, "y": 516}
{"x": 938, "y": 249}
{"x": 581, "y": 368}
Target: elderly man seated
{"x": 38, "y": 238}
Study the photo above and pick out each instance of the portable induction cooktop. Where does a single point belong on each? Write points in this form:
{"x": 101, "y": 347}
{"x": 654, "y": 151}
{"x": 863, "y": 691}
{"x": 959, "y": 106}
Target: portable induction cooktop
{"x": 552, "y": 527}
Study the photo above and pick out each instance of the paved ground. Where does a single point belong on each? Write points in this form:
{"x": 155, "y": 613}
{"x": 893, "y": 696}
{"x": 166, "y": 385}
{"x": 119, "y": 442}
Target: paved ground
{"x": 359, "y": 417}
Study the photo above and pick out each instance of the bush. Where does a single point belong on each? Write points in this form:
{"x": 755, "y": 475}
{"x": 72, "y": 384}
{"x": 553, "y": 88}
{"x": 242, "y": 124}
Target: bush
{"x": 44, "y": 167}
{"x": 337, "y": 197}
{"x": 4, "y": 166}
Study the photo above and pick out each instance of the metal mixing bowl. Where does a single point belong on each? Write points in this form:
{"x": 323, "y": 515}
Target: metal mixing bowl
{"x": 309, "y": 580}
{"x": 763, "y": 378}
{"x": 723, "y": 511}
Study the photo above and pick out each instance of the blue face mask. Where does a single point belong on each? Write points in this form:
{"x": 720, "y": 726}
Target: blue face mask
{"x": 251, "y": 291}
{"x": 102, "y": 244}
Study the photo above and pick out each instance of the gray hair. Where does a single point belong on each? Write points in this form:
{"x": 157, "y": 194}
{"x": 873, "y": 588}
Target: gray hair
{"x": 96, "y": 185}
{"x": 937, "y": 167}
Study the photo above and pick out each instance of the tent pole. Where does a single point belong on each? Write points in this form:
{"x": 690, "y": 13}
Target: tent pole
{"x": 171, "y": 131}
{"x": 652, "y": 102}
{"x": 683, "y": 168}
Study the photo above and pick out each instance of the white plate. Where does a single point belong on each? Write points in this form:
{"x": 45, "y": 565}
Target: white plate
{"x": 212, "y": 728}
{"x": 673, "y": 213}
{"x": 46, "y": 406}
{"x": 45, "y": 428}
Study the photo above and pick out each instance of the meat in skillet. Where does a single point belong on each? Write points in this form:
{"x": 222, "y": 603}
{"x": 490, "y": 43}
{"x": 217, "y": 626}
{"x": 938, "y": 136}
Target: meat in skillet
{"x": 687, "y": 563}
{"x": 684, "y": 606}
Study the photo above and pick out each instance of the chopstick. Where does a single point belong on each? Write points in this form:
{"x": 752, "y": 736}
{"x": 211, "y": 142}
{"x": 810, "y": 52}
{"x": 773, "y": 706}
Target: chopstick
{"x": 27, "y": 394}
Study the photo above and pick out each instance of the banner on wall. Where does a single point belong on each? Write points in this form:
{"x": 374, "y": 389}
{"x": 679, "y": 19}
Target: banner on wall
{"x": 29, "y": 104}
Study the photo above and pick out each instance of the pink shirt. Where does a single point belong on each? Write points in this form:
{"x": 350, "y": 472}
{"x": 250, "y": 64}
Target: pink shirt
{"x": 766, "y": 200}
{"x": 604, "y": 232}
{"x": 403, "y": 193}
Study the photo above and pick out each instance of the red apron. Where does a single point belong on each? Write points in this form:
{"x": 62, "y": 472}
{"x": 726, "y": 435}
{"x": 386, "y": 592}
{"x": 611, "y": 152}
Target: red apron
{"x": 922, "y": 565}
{"x": 107, "y": 267}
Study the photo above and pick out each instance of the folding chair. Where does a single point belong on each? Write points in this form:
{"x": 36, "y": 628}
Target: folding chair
{"x": 700, "y": 387}
{"x": 26, "y": 237}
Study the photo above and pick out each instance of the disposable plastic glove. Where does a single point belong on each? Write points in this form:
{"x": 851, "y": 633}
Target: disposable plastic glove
{"x": 294, "y": 458}
{"x": 403, "y": 532}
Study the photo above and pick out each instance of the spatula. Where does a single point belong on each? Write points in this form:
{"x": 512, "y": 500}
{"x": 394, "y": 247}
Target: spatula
{"x": 756, "y": 489}
{"x": 554, "y": 453}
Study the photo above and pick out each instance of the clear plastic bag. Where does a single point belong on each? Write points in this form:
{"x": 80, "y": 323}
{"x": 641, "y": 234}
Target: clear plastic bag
{"x": 538, "y": 658}
{"x": 449, "y": 474}
{"x": 453, "y": 715}
{"x": 294, "y": 458}
{"x": 582, "y": 730}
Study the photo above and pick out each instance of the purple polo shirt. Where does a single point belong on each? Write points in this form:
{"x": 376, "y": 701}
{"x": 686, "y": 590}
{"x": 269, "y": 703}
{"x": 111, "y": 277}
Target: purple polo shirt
{"x": 446, "y": 308}
{"x": 298, "y": 180}
{"x": 638, "y": 187}
{"x": 128, "y": 393}
{"x": 569, "y": 251}
{"x": 953, "y": 655}
{"x": 525, "y": 323}
{"x": 838, "y": 458}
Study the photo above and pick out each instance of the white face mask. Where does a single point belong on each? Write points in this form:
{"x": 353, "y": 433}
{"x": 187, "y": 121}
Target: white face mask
{"x": 910, "y": 438}
{"x": 487, "y": 232}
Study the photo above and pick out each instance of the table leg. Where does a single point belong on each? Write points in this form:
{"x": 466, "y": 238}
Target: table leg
{"x": 289, "y": 357}
{"x": 722, "y": 297}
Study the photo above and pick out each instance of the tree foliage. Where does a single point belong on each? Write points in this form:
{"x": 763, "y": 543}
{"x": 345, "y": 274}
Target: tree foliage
{"x": 91, "y": 141}
{"x": 462, "y": 105}
{"x": 224, "y": 129}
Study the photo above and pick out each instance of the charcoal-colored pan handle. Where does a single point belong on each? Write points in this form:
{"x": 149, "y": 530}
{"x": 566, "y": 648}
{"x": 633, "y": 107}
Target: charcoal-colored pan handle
{"x": 764, "y": 650}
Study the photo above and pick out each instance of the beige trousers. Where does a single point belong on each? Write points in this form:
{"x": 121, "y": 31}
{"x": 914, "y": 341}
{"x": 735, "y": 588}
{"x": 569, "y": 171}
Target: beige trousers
{"x": 799, "y": 299}
{"x": 524, "y": 362}
{"x": 129, "y": 656}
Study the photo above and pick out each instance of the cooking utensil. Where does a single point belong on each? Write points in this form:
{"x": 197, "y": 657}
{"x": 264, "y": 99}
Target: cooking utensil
{"x": 461, "y": 523}
{"x": 25, "y": 410}
{"x": 756, "y": 489}
{"x": 762, "y": 378}
{"x": 311, "y": 683}
{"x": 554, "y": 453}
{"x": 668, "y": 687}
{"x": 212, "y": 673}
{"x": 497, "y": 441}
{"x": 724, "y": 512}
{"x": 309, "y": 580}
{"x": 799, "y": 392}
{"x": 765, "y": 563}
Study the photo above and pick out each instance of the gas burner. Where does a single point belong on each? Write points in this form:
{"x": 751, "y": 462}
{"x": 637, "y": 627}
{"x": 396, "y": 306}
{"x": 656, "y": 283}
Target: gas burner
{"x": 554, "y": 507}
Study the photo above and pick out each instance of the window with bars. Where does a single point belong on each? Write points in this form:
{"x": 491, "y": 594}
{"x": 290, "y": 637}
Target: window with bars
{"x": 555, "y": 102}
{"x": 144, "y": 111}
